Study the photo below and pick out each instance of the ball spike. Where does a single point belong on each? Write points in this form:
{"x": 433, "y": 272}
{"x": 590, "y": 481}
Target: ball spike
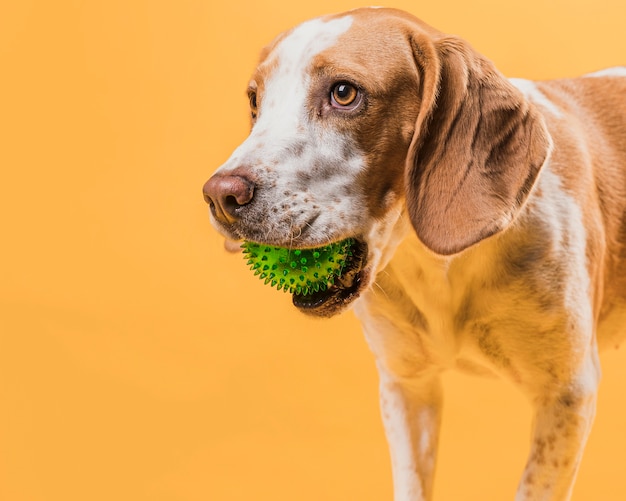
{"x": 298, "y": 271}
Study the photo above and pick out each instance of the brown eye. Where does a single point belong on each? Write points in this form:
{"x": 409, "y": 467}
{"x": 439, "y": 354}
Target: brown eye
{"x": 253, "y": 105}
{"x": 344, "y": 95}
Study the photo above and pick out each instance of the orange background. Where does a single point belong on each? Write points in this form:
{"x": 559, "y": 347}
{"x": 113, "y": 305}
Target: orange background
{"x": 138, "y": 360}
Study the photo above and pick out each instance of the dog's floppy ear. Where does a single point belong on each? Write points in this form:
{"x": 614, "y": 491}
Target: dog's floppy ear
{"x": 477, "y": 149}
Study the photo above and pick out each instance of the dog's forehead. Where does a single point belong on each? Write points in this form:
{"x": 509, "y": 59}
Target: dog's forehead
{"x": 369, "y": 45}
{"x": 307, "y": 40}
{"x": 290, "y": 55}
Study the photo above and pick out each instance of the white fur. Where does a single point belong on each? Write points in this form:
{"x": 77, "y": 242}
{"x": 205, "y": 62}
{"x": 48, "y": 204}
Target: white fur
{"x": 534, "y": 95}
{"x": 287, "y": 88}
{"x": 617, "y": 71}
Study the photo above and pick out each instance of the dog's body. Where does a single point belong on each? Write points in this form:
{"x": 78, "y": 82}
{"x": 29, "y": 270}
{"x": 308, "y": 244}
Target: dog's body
{"x": 489, "y": 215}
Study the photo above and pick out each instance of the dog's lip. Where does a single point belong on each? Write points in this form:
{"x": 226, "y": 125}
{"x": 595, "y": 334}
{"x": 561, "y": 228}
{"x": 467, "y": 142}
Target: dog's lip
{"x": 346, "y": 288}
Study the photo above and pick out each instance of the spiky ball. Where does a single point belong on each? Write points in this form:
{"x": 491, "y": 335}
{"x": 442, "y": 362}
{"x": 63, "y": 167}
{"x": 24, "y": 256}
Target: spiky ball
{"x": 298, "y": 271}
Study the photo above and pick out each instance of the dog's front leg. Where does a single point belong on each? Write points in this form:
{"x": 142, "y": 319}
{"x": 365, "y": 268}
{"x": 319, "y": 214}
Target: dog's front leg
{"x": 411, "y": 411}
{"x": 561, "y": 426}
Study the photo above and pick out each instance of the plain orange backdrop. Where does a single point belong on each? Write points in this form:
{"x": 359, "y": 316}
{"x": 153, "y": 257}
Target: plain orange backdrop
{"x": 138, "y": 360}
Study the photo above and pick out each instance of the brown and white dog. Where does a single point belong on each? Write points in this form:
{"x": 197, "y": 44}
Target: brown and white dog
{"x": 489, "y": 215}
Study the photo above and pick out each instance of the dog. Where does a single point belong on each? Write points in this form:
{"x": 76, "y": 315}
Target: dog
{"x": 489, "y": 219}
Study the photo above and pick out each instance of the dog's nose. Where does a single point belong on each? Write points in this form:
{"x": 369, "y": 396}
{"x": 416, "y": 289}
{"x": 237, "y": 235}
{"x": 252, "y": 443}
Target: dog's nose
{"x": 226, "y": 194}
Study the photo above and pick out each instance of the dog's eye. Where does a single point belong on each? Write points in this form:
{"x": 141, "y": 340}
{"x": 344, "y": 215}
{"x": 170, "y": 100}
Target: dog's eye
{"x": 344, "y": 95}
{"x": 253, "y": 105}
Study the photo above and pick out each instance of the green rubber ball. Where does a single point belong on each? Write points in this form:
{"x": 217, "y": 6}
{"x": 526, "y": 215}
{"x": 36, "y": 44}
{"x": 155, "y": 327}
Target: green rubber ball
{"x": 298, "y": 271}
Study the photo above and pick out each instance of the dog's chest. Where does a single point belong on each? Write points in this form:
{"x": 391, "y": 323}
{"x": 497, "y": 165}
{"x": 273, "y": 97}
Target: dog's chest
{"x": 466, "y": 313}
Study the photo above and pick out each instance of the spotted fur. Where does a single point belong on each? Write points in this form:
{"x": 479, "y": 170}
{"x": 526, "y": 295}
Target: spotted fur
{"x": 492, "y": 212}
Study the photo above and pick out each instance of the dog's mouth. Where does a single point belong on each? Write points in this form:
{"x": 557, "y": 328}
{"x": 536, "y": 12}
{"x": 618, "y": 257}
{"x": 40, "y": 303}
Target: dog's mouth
{"x": 345, "y": 289}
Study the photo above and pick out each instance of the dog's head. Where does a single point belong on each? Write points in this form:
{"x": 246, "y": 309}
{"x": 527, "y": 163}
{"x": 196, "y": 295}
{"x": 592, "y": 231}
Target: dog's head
{"x": 368, "y": 123}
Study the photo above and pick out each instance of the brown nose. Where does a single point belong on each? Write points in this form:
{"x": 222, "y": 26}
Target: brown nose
{"x": 226, "y": 194}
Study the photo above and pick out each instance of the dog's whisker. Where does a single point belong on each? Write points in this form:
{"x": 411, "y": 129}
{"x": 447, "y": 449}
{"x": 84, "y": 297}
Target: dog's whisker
{"x": 380, "y": 288}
